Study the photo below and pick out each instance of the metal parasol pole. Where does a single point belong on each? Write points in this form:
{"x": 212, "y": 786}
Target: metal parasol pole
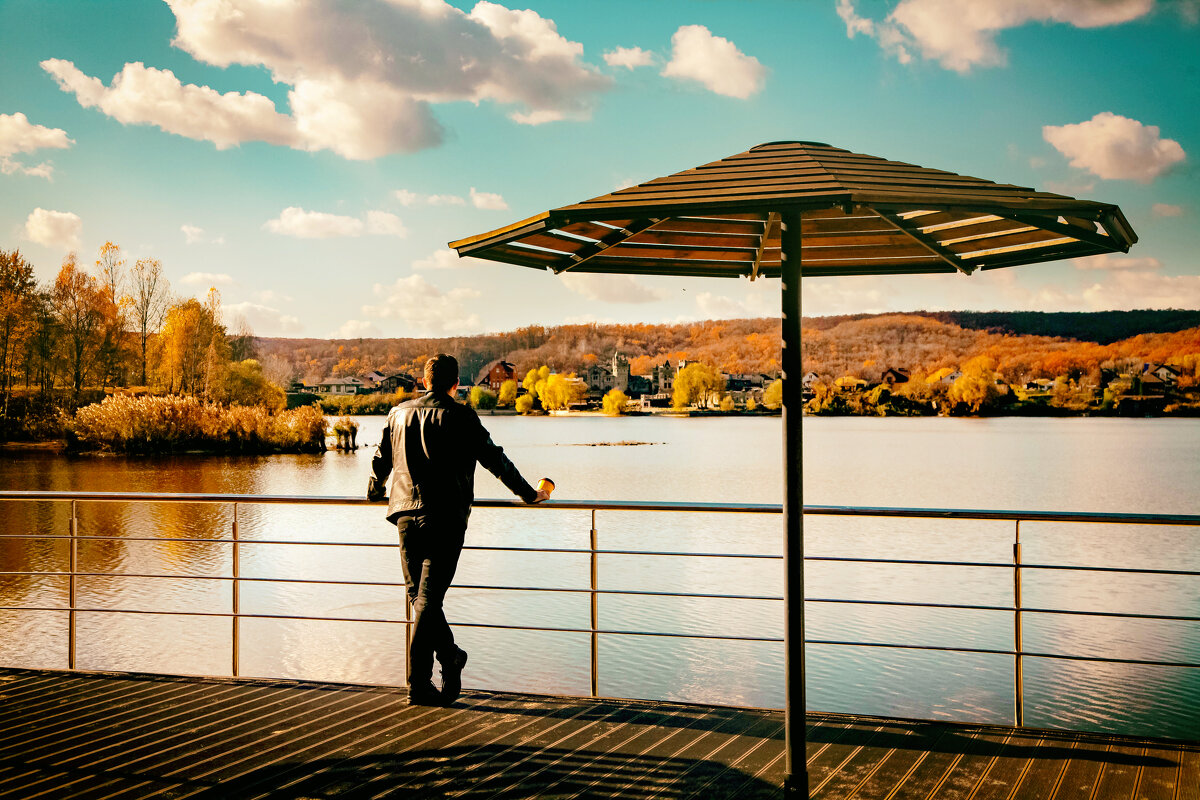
{"x": 796, "y": 767}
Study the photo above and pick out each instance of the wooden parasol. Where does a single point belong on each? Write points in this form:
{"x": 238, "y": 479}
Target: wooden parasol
{"x": 784, "y": 207}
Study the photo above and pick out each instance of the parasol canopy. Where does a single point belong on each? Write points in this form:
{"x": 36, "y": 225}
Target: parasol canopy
{"x": 862, "y": 215}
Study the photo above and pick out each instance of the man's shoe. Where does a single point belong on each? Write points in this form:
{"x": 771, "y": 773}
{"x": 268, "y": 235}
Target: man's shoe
{"x": 452, "y": 676}
{"x": 424, "y": 694}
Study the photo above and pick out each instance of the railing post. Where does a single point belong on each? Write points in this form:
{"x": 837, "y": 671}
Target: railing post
{"x": 73, "y": 562}
{"x": 1018, "y": 676}
{"x": 237, "y": 606}
{"x": 595, "y": 657}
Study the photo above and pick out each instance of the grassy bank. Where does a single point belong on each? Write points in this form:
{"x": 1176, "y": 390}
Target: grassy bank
{"x": 145, "y": 425}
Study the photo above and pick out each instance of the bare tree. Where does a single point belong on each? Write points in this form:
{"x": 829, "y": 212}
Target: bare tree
{"x": 149, "y": 290}
{"x": 111, "y": 267}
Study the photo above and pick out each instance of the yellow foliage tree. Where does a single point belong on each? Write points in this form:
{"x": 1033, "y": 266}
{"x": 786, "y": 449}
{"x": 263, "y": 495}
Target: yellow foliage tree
{"x": 773, "y": 395}
{"x": 695, "y": 384}
{"x": 976, "y": 387}
{"x": 614, "y": 403}
{"x": 508, "y": 394}
{"x": 560, "y": 391}
{"x": 524, "y": 404}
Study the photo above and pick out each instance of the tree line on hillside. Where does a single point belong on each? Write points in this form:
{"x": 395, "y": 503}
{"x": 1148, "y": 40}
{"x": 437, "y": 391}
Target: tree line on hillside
{"x": 110, "y": 327}
{"x": 861, "y": 346}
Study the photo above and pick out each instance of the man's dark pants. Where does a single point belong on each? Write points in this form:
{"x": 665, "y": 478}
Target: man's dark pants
{"x": 430, "y": 545}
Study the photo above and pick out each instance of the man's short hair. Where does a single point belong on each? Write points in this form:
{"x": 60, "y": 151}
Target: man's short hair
{"x": 441, "y": 373}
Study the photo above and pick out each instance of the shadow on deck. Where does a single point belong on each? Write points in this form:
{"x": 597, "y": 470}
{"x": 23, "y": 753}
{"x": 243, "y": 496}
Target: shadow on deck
{"x": 98, "y": 735}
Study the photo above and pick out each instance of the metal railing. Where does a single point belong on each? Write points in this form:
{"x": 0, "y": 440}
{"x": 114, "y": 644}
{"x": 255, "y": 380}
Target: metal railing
{"x": 237, "y": 542}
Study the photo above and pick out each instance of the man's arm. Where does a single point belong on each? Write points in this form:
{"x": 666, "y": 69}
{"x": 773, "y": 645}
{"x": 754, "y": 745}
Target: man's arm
{"x": 381, "y": 465}
{"x": 491, "y": 456}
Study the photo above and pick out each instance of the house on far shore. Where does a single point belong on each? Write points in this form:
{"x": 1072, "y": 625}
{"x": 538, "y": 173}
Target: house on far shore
{"x": 1165, "y": 373}
{"x": 496, "y": 373}
{"x": 339, "y": 386}
{"x": 394, "y": 383}
{"x": 892, "y": 376}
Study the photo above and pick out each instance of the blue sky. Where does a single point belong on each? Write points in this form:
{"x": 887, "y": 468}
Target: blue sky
{"x": 311, "y": 159}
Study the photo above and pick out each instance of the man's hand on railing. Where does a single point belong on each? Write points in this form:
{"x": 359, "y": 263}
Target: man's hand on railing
{"x": 542, "y": 496}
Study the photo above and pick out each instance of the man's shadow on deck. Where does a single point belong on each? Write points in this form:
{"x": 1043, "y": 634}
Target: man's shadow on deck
{"x": 496, "y": 771}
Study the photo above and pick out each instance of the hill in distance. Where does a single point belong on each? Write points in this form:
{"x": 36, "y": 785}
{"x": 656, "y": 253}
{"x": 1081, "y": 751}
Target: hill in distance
{"x": 1023, "y": 344}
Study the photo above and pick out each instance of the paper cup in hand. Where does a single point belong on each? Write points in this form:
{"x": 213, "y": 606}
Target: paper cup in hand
{"x": 545, "y": 485}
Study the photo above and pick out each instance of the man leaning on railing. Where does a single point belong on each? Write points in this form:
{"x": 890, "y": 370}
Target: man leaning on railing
{"x": 430, "y": 447}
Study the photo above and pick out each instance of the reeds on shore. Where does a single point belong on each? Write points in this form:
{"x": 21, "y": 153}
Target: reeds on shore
{"x": 173, "y": 424}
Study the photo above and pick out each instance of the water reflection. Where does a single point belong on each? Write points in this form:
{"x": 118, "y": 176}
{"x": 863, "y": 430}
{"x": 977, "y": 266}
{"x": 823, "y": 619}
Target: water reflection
{"x": 946, "y": 463}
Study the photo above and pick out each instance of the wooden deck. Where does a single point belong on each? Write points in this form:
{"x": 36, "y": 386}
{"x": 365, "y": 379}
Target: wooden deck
{"x": 88, "y": 735}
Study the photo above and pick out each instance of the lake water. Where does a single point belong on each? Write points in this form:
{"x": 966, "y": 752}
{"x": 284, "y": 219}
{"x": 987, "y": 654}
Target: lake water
{"x": 1117, "y": 465}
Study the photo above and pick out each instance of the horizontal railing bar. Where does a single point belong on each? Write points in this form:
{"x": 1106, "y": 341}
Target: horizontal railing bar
{"x": 1135, "y": 570}
{"x": 830, "y": 642}
{"x": 907, "y": 604}
{"x": 909, "y": 561}
{"x": 628, "y": 505}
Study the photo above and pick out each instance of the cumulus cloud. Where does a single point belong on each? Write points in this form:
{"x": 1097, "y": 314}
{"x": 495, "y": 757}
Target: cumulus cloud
{"x": 362, "y": 101}
{"x": 56, "y": 229}
{"x": 1108, "y": 261}
{"x": 1125, "y": 291}
{"x": 714, "y": 62}
{"x": 144, "y": 95}
{"x": 264, "y": 320}
{"x": 356, "y": 329}
{"x": 611, "y": 288}
{"x": 19, "y": 136}
{"x": 487, "y": 200}
{"x": 207, "y": 279}
{"x": 1115, "y": 148}
{"x": 295, "y": 221}
{"x": 408, "y": 198}
{"x": 424, "y": 307}
{"x": 439, "y": 259}
{"x": 961, "y": 34}
{"x": 1166, "y": 210}
{"x": 629, "y": 57}
{"x": 196, "y": 235}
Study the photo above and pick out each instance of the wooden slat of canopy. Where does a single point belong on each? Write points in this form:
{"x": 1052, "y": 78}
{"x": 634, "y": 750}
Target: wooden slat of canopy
{"x": 861, "y": 215}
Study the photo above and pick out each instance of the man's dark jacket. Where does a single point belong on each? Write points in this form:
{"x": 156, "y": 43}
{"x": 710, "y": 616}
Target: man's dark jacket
{"x": 430, "y": 447}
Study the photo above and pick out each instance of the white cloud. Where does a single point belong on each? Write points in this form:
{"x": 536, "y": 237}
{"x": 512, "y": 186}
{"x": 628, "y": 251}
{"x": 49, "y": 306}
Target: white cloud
{"x": 357, "y": 329}
{"x": 629, "y": 57}
{"x": 207, "y": 279}
{"x": 20, "y": 136}
{"x": 196, "y": 235}
{"x": 1166, "y": 210}
{"x": 1108, "y": 261}
{"x": 381, "y": 223}
{"x": 722, "y": 306}
{"x": 56, "y": 229}
{"x": 961, "y": 34}
{"x": 611, "y": 288}
{"x": 487, "y": 200}
{"x": 714, "y": 62}
{"x": 264, "y": 320}
{"x": 1115, "y": 148}
{"x": 408, "y": 198}
{"x": 424, "y": 307}
{"x": 361, "y": 101}
{"x": 141, "y": 95}
{"x": 295, "y": 221}
{"x": 440, "y": 259}
{"x": 1127, "y": 290}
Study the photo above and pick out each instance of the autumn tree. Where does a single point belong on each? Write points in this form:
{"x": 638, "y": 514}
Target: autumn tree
{"x": 976, "y": 387}
{"x": 696, "y": 384}
{"x": 773, "y": 395}
{"x": 245, "y": 384}
{"x": 508, "y": 394}
{"x": 614, "y": 403}
{"x": 559, "y": 391}
{"x": 524, "y": 404}
{"x": 17, "y": 298}
{"x": 114, "y": 305}
{"x": 79, "y": 305}
{"x": 481, "y": 397}
{"x": 149, "y": 293}
{"x": 192, "y": 346}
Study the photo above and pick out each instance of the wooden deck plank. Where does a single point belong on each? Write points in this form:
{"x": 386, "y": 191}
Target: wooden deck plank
{"x": 142, "y": 737}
